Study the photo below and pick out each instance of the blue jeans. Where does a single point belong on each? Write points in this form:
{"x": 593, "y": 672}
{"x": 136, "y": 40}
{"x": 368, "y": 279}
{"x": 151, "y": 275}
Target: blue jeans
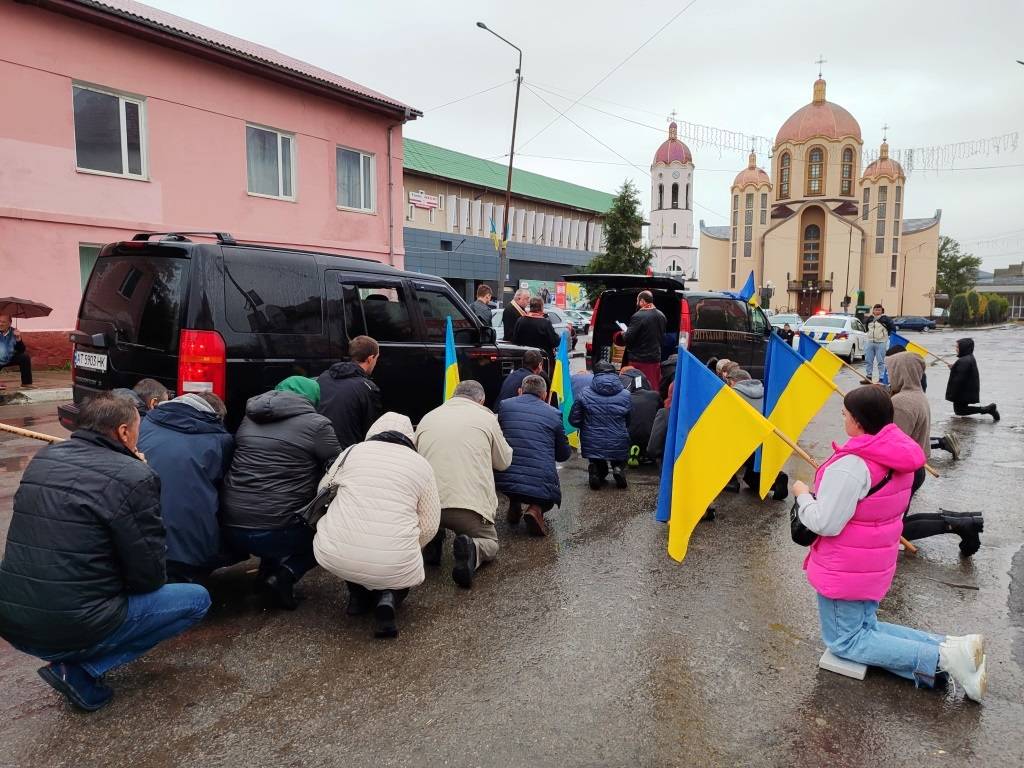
{"x": 852, "y": 631}
{"x": 875, "y": 350}
{"x": 289, "y": 548}
{"x": 151, "y": 618}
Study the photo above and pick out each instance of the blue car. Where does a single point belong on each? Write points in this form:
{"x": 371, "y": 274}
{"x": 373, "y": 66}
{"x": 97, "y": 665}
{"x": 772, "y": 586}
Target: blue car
{"x": 913, "y": 323}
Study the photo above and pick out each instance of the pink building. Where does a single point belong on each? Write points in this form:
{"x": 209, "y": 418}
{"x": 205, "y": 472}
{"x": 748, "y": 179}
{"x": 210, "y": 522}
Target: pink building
{"x": 120, "y": 118}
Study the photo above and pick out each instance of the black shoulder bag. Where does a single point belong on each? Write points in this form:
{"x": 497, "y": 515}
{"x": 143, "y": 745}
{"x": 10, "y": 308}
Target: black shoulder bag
{"x": 803, "y": 535}
{"x": 311, "y": 514}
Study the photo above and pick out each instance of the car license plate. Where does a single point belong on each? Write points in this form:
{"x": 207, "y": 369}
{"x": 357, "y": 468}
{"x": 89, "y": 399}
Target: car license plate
{"x": 91, "y": 361}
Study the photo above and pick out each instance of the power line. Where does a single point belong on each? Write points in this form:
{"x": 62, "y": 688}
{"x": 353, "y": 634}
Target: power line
{"x": 470, "y": 96}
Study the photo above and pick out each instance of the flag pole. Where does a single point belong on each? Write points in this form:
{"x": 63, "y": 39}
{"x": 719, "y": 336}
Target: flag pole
{"x": 29, "y": 433}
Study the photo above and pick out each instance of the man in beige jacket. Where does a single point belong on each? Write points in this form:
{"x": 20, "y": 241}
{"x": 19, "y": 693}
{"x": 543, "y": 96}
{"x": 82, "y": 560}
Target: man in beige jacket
{"x": 463, "y": 443}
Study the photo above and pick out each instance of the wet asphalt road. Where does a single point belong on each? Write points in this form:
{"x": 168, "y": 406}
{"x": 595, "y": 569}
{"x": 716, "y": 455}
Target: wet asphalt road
{"x": 590, "y": 647}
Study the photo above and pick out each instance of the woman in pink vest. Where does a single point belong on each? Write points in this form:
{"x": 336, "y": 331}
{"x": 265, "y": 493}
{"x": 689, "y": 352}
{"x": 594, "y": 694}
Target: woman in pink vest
{"x": 861, "y": 493}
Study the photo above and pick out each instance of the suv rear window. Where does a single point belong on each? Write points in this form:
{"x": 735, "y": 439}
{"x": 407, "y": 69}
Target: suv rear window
{"x": 266, "y": 292}
{"x": 714, "y": 314}
{"x": 140, "y": 296}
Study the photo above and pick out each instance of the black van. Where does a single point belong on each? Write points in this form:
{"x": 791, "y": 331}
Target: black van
{"x": 236, "y": 318}
{"x": 709, "y": 323}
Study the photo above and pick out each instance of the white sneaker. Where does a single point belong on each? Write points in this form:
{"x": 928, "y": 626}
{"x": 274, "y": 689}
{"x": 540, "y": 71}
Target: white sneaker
{"x": 957, "y": 659}
{"x": 975, "y": 646}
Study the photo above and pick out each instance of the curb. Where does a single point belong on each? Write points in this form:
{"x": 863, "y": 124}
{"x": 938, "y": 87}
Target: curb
{"x": 23, "y": 397}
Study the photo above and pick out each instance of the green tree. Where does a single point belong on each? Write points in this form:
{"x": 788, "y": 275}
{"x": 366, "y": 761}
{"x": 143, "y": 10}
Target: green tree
{"x": 973, "y": 305}
{"x": 624, "y": 254}
{"x": 959, "y": 312}
{"x": 956, "y": 269}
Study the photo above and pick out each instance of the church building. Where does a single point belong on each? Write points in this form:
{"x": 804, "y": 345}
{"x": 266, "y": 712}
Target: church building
{"x": 671, "y": 228}
{"x": 818, "y": 229}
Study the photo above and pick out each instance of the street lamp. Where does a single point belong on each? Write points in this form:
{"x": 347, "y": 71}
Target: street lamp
{"x": 503, "y": 235}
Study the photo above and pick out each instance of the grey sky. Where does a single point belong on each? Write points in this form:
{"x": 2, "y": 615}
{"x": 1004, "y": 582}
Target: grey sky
{"x": 937, "y": 72}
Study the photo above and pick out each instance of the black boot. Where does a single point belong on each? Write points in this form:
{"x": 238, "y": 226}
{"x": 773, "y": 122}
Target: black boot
{"x": 465, "y": 561}
{"x": 281, "y": 585}
{"x": 433, "y": 551}
{"x": 966, "y": 525}
{"x": 992, "y": 411}
{"x": 780, "y": 490}
{"x": 619, "y": 475}
{"x": 596, "y": 478}
{"x": 385, "y": 614}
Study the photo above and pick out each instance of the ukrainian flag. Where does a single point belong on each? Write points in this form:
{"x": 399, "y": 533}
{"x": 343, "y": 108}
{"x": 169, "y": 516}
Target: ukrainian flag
{"x": 711, "y": 432}
{"x": 495, "y": 240}
{"x": 748, "y": 290}
{"x": 821, "y": 358}
{"x": 794, "y": 392}
{"x": 451, "y": 362}
{"x": 896, "y": 340}
{"x": 561, "y": 385}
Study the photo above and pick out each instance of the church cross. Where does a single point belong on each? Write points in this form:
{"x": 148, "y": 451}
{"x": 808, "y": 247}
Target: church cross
{"x": 885, "y": 132}
{"x": 672, "y": 116}
{"x": 821, "y": 60}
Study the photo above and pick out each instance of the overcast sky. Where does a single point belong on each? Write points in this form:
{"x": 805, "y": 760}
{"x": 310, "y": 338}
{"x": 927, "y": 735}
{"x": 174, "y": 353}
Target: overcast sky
{"x": 938, "y": 72}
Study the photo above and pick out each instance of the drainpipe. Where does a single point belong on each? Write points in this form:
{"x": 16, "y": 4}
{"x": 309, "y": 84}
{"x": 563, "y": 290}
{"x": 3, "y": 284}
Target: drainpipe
{"x": 391, "y": 190}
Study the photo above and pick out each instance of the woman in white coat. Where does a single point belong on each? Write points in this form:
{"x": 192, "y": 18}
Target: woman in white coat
{"x": 385, "y": 512}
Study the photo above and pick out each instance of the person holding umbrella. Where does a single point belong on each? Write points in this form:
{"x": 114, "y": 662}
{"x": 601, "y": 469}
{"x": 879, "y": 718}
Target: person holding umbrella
{"x": 12, "y": 351}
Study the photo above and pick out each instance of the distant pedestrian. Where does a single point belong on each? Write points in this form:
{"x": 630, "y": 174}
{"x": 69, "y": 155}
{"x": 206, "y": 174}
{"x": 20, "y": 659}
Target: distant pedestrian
{"x": 348, "y": 396}
{"x": 386, "y": 510}
{"x": 13, "y": 351}
{"x": 465, "y": 447}
{"x": 82, "y": 578}
{"x": 535, "y": 330}
{"x": 282, "y": 448}
{"x": 482, "y": 306}
{"x": 786, "y": 333}
{"x": 879, "y": 326}
{"x": 964, "y": 385}
{"x": 862, "y": 492}
{"x": 536, "y": 434}
{"x": 643, "y": 338}
{"x": 514, "y": 310}
{"x": 533, "y": 365}
{"x": 186, "y": 444}
{"x": 602, "y": 415}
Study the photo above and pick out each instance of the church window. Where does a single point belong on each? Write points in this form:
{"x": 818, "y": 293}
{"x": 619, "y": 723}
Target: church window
{"x": 661, "y": 196}
{"x": 897, "y": 207}
{"x": 846, "y": 187}
{"x": 892, "y": 271}
{"x": 732, "y": 280}
{"x": 882, "y": 199}
{"x": 733, "y": 252}
{"x": 673, "y": 229}
{"x": 867, "y": 201}
{"x": 784, "y": 176}
{"x": 811, "y": 262}
{"x": 747, "y": 248}
{"x": 880, "y": 227}
{"x": 675, "y": 195}
{"x": 687, "y": 197}
{"x": 815, "y": 171}
{"x": 879, "y": 245}
{"x": 748, "y": 220}
{"x": 764, "y": 207}
{"x": 895, "y": 245}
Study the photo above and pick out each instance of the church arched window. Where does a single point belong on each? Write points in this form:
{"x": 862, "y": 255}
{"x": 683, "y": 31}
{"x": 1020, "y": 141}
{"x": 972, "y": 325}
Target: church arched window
{"x": 810, "y": 268}
{"x": 675, "y": 195}
{"x": 816, "y": 171}
{"x": 687, "y": 197}
{"x": 784, "y": 163}
{"x": 661, "y": 196}
{"x": 846, "y": 184}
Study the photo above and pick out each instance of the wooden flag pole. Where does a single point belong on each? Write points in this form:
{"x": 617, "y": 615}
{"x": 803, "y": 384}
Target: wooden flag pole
{"x": 810, "y": 460}
{"x": 29, "y": 433}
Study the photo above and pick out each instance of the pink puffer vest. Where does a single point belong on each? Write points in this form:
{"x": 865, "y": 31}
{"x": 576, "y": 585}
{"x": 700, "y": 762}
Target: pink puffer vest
{"x": 860, "y": 561}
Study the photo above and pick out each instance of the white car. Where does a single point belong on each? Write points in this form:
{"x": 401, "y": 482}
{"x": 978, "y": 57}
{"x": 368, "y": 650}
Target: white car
{"x": 794, "y": 321}
{"x": 844, "y": 335}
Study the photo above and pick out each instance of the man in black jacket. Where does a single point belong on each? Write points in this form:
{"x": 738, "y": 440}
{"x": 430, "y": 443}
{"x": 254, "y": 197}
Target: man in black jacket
{"x": 533, "y": 365}
{"x": 964, "y": 385}
{"x": 513, "y": 311}
{"x": 348, "y": 396}
{"x": 534, "y": 329}
{"x": 482, "y": 306}
{"x": 83, "y": 574}
{"x": 643, "y": 338}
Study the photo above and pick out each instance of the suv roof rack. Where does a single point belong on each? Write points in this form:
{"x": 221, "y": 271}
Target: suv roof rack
{"x": 224, "y": 238}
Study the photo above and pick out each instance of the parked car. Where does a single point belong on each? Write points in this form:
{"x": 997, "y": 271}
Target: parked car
{"x": 709, "y": 324}
{"x": 794, "y": 320}
{"x": 579, "y": 322}
{"x": 237, "y": 318}
{"x": 844, "y": 335}
{"x": 913, "y": 323}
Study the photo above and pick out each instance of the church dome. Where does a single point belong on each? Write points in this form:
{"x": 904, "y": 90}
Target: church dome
{"x": 673, "y": 150}
{"x": 751, "y": 174}
{"x": 884, "y": 166}
{"x": 819, "y": 118}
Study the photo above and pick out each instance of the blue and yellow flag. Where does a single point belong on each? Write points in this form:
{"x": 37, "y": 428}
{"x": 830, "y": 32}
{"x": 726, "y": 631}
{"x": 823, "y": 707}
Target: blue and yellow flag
{"x": 495, "y": 239}
{"x": 748, "y": 290}
{"x": 561, "y": 385}
{"x": 896, "y": 340}
{"x": 821, "y": 358}
{"x": 794, "y": 392}
{"x": 711, "y": 432}
{"x": 451, "y": 362}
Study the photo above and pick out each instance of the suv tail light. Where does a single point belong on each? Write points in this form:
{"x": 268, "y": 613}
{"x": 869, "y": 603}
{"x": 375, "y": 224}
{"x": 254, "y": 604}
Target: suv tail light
{"x": 202, "y": 362}
{"x": 842, "y": 335}
{"x": 685, "y": 325}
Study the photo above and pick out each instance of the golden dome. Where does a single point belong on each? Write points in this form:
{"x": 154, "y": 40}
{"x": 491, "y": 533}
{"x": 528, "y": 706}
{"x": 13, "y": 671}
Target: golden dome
{"x": 751, "y": 174}
{"x": 820, "y": 118}
{"x": 884, "y": 166}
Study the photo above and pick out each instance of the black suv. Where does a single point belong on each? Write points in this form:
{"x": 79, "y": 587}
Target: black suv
{"x": 236, "y": 318}
{"x": 709, "y": 323}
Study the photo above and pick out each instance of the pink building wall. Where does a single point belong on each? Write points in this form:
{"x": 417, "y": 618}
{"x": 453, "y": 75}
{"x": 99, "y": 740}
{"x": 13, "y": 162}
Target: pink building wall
{"x": 195, "y": 117}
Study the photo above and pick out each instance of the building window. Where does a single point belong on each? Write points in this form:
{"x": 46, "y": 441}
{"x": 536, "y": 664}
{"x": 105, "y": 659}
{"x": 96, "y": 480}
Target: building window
{"x": 879, "y": 245}
{"x": 430, "y": 215}
{"x": 440, "y": 202}
{"x": 846, "y": 185}
{"x": 673, "y": 229}
{"x": 411, "y": 215}
{"x": 811, "y": 262}
{"x": 734, "y": 251}
{"x": 356, "y": 180}
{"x": 784, "y": 164}
{"x": 815, "y": 171}
{"x": 675, "y": 195}
{"x": 895, "y": 245}
{"x": 109, "y": 132}
{"x": 661, "y": 196}
{"x": 270, "y": 159}
{"x": 897, "y": 206}
{"x": 687, "y": 196}
{"x": 446, "y": 245}
{"x": 880, "y": 228}
{"x": 882, "y": 199}
{"x": 764, "y": 207}
{"x": 732, "y": 281}
{"x": 892, "y": 271}
{"x": 747, "y": 247}
{"x": 866, "y": 204}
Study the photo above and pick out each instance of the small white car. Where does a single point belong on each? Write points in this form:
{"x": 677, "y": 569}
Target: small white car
{"x": 793, "y": 320}
{"x": 844, "y": 335}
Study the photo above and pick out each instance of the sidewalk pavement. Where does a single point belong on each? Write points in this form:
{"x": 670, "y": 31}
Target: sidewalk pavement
{"x": 48, "y": 386}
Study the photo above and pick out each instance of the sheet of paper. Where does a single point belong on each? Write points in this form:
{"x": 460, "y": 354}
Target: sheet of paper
{"x": 622, "y": 326}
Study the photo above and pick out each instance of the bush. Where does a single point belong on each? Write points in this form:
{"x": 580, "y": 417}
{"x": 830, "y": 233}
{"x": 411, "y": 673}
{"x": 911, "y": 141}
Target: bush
{"x": 973, "y": 305}
{"x": 959, "y": 311}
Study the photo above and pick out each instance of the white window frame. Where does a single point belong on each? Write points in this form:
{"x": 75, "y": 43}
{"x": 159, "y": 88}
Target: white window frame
{"x": 122, "y": 97}
{"x": 411, "y": 215}
{"x": 430, "y": 215}
{"x": 365, "y": 159}
{"x": 280, "y": 160}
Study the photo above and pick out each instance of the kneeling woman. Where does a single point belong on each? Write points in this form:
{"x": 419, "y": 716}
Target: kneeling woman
{"x": 862, "y": 492}
{"x": 386, "y": 511}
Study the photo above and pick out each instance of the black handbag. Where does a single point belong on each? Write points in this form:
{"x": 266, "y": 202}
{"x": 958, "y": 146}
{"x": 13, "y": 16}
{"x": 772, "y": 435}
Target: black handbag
{"x": 311, "y": 514}
{"x": 803, "y": 535}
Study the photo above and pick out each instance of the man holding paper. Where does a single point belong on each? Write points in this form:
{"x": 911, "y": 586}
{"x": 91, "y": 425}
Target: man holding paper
{"x": 643, "y": 338}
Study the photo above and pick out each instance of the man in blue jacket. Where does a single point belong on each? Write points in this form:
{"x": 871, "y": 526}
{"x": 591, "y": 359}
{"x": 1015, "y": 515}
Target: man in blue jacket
{"x": 602, "y": 414}
{"x": 534, "y": 430}
{"x": 186, "y": 444}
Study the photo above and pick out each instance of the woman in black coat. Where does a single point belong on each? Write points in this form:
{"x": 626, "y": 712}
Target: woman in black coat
{"x": 964, "y": 385}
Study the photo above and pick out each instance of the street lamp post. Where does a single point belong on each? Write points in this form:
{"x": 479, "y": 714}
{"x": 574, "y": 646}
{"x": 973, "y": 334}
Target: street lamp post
{"x": 503, "y": 235}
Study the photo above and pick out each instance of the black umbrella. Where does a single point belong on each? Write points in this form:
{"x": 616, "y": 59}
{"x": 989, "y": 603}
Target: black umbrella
{"x": 15, "y": 307}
